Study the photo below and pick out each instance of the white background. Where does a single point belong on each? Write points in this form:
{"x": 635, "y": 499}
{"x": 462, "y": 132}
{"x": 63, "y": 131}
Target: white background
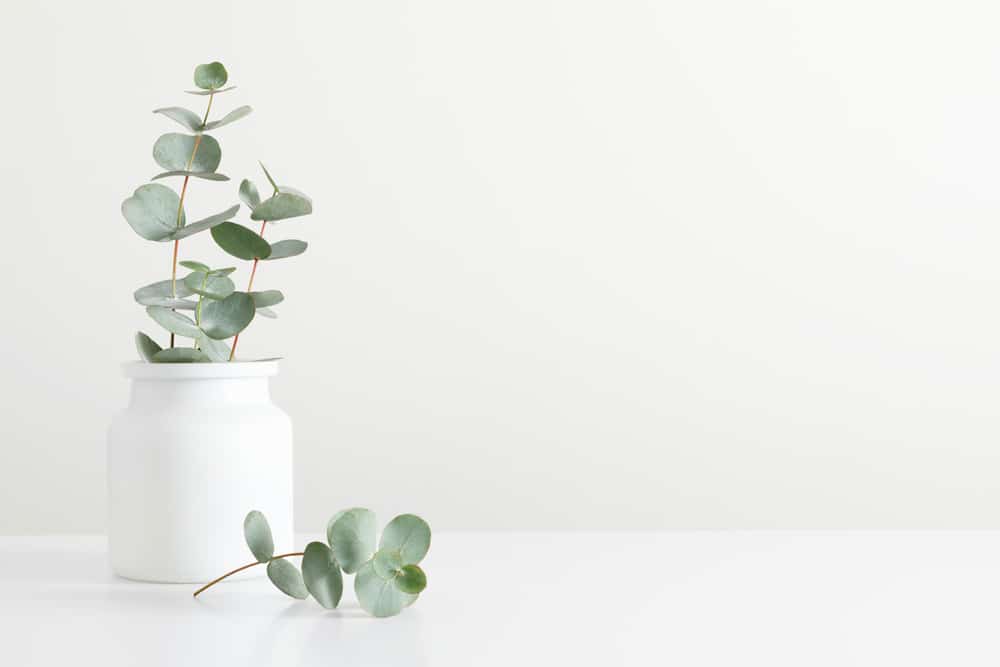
{"x": 573, "y": 264}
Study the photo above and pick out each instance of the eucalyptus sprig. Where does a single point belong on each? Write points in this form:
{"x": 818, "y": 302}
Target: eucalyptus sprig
{"x": 387, "y": 580}
{"x": 156, "y": 213}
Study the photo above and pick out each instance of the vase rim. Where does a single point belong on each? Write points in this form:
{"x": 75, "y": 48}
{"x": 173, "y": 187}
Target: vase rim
{"x": 200, "y": 371}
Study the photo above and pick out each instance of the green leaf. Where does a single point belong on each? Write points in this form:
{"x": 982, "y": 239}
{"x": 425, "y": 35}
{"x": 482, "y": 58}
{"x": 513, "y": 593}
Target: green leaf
{"x": 258, "y": 536}
{"x": 267, "y": 298}
{"x": 379, "y": 597}
{"x": 174, "y": 322}
{"x": 172, "y": 151}
{"x": 152, "y": 211}
{"x": 268, "y": 313}
{"x": 351, "y": 535}
{"x": 289, "y": 248}
{"x": 185, "y": 117}
{"x": 222, "y": 272}
{"x": 231, "y": 117}
{"x": 206, "y": 223}
{"x": 209, "y": 92}
{"x": 282, "y": 206}
{"x": 267, "y": 174}
{"x": 216, "y": 350}
{"x": 240, "y": 242}
{"x": 321, "y": 575}
{"x": 159, "y": 294}
{"x": 180, "y": 355}
{"x": 249, "y": 194}
{"x": 194, "y": 266}
{"x": 212, "y": 287}
{"x": 226, "y": 318}
{"x": 147, "y": 346}
{"x": 387, "y": 563}
{"x": 287, "y": 578}
{"x": 204, "y": 175}
{"x": 409, "y": 535}
{"x": 411, "y": 579}
{"x": 210, "y": 76}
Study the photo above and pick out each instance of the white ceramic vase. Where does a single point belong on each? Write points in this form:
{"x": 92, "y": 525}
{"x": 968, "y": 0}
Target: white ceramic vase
{"x": 199, "y": 446}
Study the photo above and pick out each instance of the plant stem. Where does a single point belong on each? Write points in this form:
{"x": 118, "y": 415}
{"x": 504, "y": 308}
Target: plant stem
{"x": 240, "y": 569}
{"x": 253, "y": 272}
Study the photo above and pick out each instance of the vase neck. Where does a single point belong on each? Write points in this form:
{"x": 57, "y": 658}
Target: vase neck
{"x": 204, "y": 392}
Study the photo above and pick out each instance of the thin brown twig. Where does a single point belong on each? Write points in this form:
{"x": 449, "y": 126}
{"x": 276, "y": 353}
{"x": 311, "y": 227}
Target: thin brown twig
{"x": 240, "y": 569}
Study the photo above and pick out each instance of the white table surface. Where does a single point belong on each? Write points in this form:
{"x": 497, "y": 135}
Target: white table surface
{"x": 677, "y": 598}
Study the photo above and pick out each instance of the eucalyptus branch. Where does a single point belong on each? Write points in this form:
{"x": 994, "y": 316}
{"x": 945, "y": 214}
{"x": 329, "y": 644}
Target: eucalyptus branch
{"x": 240, "y": 569}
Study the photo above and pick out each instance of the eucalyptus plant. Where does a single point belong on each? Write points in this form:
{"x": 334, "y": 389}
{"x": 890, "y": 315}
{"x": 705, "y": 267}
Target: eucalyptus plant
{"x": 156, "y": 213}
{"x": 387, "y": 579}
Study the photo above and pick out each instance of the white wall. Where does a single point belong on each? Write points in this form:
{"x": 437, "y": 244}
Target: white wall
{"x": 573, "y": 264}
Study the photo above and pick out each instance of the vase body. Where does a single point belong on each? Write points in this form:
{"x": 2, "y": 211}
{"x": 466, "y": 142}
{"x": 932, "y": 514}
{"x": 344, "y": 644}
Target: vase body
{"x": 199, "y": 446}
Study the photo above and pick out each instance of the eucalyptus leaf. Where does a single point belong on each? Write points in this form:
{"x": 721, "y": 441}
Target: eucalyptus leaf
{"x": 209, "y": 92}
{"x": 231, "y": 117}
{"x": 146, "y": 346}
{"x": 240, "y": 241}
{"x": 216, "y": 350}
{"x": 387, "y": 563}
{"x": 174, "y": 151}
{"x": 268, "y": 313}
{"x": 267, "y": 175}
{"x": 282, "y": 206}
{"x": 155, "y": 293}
{"x": 180, "y": 355}
{"x": 411, "y": 579}
{"x": 289, "y": 248}
{"x": 206, "y": 223}
{"x": 206, "y": 285}
{"x": 351, "y": 535}
{"x": 321, "y": 575}
{"x": 174, "y": 322}
{"x": 249, "y": 194}
{"x": 222, "y": 272}
{"x": 204, "y": 175}
{"x": 194, "y": 266}
{"x": 257, "y": 533}
{"x": 226, "y": 318}
{"x": 287, "y": 578}
{"x": 210, "y": 76}
{"x": 409, "y": 535}
{"x": 267, "y": 298}
{"x": 152, "y": 211}
{"x": 185, "y": 117}
{"x": 379, "y": 597}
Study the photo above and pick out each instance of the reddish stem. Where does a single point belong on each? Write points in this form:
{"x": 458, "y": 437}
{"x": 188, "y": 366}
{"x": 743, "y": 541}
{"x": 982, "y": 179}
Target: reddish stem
{"x": 253, "y": 272}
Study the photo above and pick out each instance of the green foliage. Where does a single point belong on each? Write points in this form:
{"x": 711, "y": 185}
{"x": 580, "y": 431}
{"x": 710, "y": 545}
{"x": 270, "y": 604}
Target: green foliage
{"x": 205, "y": 223}
{"x": 283, "y": 205}
{"x": 185, "y": 117}
{"x": 241, "y": 242}
{"x": 227, "y": 317}
{"x": 270, "y": 297}
{"x": 209, "y": 286}
{"x": 152, "y": 211}
{"x": 179, "y": 355}
{"x": 249, "y": 194}
{"x": 377, "y": 595}
{"x": 351, "y": 535}
{"x": 209, "y": 92}
{"x": 174, "y": 151}
{"x": 231, "y": 117}
{"x": 174, "y": 322}
{"x": 411, "y": 579}
{"x": 321, "y": 574}
{"x": 204, "y": 175}
{"x": 289, "y": 248}
{"x": 257, "y": 532}
{"x": 287, "y": 578}
{"x": 210, "y": 76}
{"x": 146, "y": 346}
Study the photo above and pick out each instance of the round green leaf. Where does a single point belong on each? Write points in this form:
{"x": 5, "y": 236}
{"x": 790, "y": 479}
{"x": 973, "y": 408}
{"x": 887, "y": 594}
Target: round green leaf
{"x": 210, "y": 76}
{"x": 194, "y": 266}
{"x": 282, "y": 206}
{"x": 216, "y": 350}
{"x": 289, "y": 248}
{"x": 152, "y": 211}
{"x": 409, "y": 535}
{"x": 379, "y": 597}
{"x": 206, "y": 223}
{"x": 249, "y": 194}
{"x": 231, "y": 117}
{"x": 287, "y": 578}
{"x": 387, "y": 563}
{"x": 174, "y": 322}
{"x": 204, "y": 175}
{"x": 172, "y": 151}
{"x": 240, "y": 242}
{"x": 226, "y": 318}
{"x": 209, "y": 92}
{"x": 161, "y": 293}
{"x": 212, "y": 287}
{"x": 267, "y": 298}
{"x": 185, "y": 117}
{"x": 351, "y": 535}
{"x": 146, "y": 346}
{"x": 222, "y": 272}
{"x": 321, "y": 575}
{"x": 411, "y": 579}
{"x": 258, "y": 536}
{"x": 180, "y": 355}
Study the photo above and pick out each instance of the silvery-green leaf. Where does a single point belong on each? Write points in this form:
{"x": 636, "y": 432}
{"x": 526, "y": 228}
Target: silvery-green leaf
{"x": 185, "y": 117}
{"x": 267, "y": 174}
{"x": 321, "y": 575}
{"x": 287, "y": 578}
{"x": 160, "y": 290}
{"x": 222, "y": 272}
{"x": 194, "y": 266}
{"x": 226, "y": 318}
{"x": 212, "y": 287}
{"x": 387, "y": 563}
{"x": 351, "y": 535}
{"x": 206, "y": 223}
{"x": 180, "y": 355}
{"x": 231, "y": 117}
{"x": 216, "y": 350}
{"x": 267, "y": 298}
{"x": 379, "y": 597}
{"x": 204, "y": 175}
{"x": 249, "y": 194}
{"x": 152, "y": 211}
{"x": 258, "y": 536}
{"x": 411, "y": 579}
{"x": 240, "y": 242}
{"x": 282, "y": 206}
{"x": 209, "y": 92}
{"x": 173, "y": 151}
{"x": 146, "y": 346}
{"x": 210, "y": 76}
{"x": 268, "y": 313}
{"x": 174, "y": 322}
{"x": 409, "y": 535}
{"x": 289, "y": 248}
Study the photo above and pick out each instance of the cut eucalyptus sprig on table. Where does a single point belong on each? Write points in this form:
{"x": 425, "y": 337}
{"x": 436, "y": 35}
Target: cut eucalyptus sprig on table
{"x": 156, "y": 213}
{"x": 387, "y": 579}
